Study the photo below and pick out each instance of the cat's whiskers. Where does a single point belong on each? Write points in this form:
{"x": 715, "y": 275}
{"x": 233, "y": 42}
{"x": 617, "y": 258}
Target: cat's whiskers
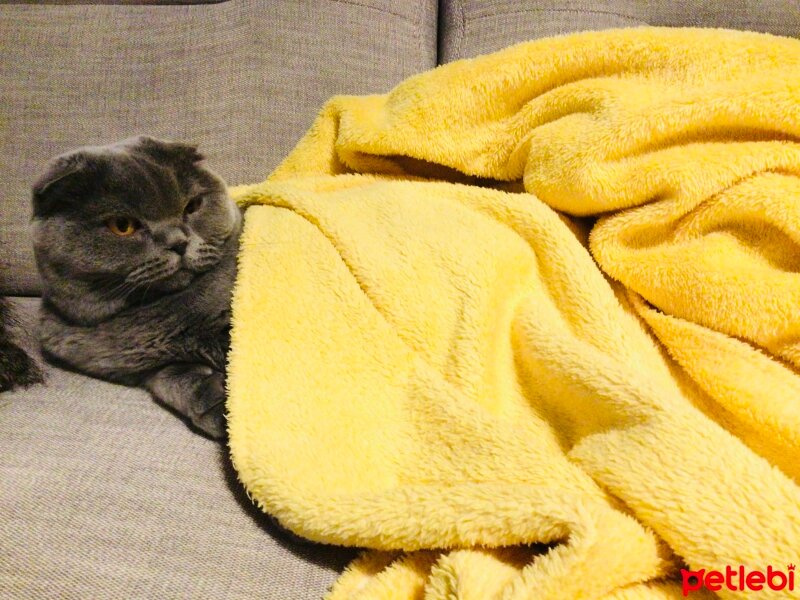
{"x": 146, "y": 289}
{"x": 207, "y": 255}
{"x": 151, "y": 271}
{"x": 116, "y": 290}
{"x": 142, "y": 272}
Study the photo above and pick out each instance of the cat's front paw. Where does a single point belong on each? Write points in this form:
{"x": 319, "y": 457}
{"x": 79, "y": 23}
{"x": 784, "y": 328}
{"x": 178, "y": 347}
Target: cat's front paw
{"x": 207, "y": 406}
{"x": 195, "y": 391}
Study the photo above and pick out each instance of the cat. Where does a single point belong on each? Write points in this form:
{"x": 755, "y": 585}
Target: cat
{"x": 136, "y": 243}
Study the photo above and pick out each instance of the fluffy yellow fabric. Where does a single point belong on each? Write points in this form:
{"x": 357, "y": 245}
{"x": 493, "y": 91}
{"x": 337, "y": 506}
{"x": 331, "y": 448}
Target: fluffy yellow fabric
{"x": 430, "y": 361}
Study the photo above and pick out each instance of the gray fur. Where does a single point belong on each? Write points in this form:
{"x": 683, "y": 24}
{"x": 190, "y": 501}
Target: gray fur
{"x": 151, "y": 309}
{"x": 17, "y": 369}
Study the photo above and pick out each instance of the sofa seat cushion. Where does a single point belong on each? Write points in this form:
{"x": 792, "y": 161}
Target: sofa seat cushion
{"x": 106, "y": 494}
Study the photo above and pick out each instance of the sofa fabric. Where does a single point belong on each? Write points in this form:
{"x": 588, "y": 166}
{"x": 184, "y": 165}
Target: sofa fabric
{"x": 472, "y": 27}
{"x": 244, "y": 78}
{"x": 105, "y": 494}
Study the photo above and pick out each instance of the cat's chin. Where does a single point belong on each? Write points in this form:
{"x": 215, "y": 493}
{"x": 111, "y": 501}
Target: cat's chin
{"x": 175, "y": 282}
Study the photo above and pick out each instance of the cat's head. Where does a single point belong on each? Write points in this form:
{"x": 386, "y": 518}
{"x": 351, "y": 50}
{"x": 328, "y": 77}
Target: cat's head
{"x": 134, "y": 216}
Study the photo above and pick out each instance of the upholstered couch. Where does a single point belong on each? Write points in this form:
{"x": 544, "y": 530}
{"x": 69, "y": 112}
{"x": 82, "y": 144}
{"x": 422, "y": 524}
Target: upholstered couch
{"x": 102, "y": 492}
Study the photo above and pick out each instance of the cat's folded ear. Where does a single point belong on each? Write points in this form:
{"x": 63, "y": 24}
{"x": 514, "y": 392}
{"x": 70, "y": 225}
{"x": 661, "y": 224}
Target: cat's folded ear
{"x": 163, "y": 150}
{"x": 55, "y": 187}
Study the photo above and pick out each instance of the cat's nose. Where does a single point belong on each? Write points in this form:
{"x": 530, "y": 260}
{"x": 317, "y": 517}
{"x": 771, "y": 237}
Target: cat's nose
{"x": 175, "y": 239}
{"x": 179, "y": 247}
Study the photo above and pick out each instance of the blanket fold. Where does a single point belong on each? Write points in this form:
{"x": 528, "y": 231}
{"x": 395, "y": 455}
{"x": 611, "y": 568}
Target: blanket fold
{"x": 530, "y": 323}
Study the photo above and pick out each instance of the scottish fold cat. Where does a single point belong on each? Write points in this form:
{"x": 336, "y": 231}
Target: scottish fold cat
{"x": 136, "y": 244}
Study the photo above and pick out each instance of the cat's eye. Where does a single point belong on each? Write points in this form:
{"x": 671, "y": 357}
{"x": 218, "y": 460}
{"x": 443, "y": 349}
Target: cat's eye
{"x": 123, "y": 226}
{"x": 193, "y": 205}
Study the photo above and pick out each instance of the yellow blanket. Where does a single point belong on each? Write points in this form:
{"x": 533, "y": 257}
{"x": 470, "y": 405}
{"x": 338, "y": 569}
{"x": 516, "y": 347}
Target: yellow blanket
{"x": 432, "y": 360}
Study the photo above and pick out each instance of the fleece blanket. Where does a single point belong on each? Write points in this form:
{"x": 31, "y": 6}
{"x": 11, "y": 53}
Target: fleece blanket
{"x": 529, "y": 325}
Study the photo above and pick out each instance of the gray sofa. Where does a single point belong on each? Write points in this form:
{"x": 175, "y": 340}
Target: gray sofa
{"x": 102, "y": 492}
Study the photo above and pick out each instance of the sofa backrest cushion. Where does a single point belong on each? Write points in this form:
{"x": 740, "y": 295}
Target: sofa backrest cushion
{"x": 472, "y": 27}
{"x": 243, "y": 78}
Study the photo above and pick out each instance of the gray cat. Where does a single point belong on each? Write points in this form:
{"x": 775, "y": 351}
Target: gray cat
{"x": 136, "y": 243}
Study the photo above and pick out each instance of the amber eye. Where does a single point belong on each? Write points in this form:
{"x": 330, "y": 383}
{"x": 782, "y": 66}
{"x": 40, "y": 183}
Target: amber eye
{"x": 123, "y": 226}
{"x": 193, "y": 205}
